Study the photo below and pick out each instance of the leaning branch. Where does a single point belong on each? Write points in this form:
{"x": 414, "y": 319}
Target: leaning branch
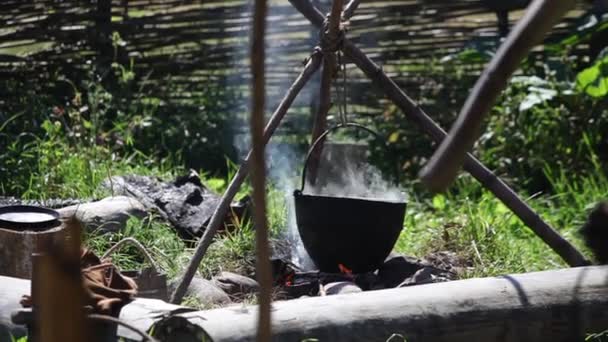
{"x": 541, "y": 16}
{"x": 220, "y": 211}
{"x": 350, "y": 9}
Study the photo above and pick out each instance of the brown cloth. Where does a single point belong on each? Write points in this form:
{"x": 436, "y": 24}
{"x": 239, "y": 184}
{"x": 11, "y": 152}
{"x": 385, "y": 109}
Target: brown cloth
{"x": 106, "y": 289}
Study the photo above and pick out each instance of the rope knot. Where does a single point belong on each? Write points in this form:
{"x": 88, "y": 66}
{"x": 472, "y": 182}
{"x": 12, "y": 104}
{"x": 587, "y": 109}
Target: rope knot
{"x": 331, "y": 42}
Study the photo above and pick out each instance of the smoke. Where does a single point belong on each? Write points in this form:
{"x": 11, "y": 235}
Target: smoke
{"x": 360, "y": 182}
{"x": 345, "y": 172}
{"x": 284, "y": 172}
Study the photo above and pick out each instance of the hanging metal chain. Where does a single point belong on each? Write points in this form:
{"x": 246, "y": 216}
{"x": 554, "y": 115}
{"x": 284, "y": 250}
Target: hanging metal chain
{"x": 342, "y": 96}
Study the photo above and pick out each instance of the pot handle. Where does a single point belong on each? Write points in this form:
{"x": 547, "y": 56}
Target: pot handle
{"x": 331, "y": 130}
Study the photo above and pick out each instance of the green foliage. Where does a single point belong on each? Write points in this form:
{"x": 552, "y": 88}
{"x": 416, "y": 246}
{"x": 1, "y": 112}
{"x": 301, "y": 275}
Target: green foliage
{"x": 542, "y": 123}
{"x": 473, "y": 223}
{"x": 541, "y": 120}
{"x": 594, "y": 80}
{"x": 167, "y": 249}
{"x": 50, "y": 133}
{"x": 591, "y": 26}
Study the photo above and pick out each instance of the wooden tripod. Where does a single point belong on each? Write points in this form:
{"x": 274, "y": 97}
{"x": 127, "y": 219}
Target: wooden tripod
{"x": 480, "y": 172}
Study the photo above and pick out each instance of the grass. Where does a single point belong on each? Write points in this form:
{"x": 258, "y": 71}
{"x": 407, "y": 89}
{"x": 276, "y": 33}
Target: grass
{"x": 469, "y": 220}
{"x": 482, "y": 230}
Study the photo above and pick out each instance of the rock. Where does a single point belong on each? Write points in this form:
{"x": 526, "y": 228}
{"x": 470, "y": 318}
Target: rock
{"x": 397, "y": 268}
{"x": 205, "y": 292}
{"x": 426, "y": 275}
{"x": 448, "y": 261}
{"x": 235, "y": 284}
{"x": 341, "y": 287}
{"x": 185, "y": 202}
{"x": 108, "y": 215}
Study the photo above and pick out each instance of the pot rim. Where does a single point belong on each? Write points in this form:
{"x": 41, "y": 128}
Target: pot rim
{"x": 37, "y": 225}
{"x": 299, "y": 193}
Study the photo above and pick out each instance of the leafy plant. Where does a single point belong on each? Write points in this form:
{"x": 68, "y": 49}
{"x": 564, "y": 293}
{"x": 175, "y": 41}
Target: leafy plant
{"x": 594, "y": 80}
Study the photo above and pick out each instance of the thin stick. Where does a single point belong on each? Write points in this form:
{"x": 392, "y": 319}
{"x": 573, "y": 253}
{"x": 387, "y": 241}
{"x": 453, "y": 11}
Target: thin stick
{"x": 329, "y": 69}
{"x": 350, "y": 9}
{"x": 258, "y": 172}
{"x": 541, "y": 16}
{"x": 220, "y": 211}
{"x": 488, "y": 179}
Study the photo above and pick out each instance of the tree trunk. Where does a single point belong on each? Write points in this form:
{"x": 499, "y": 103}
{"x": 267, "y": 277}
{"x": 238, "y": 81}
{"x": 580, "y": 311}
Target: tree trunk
{"x": 16, "y": 248}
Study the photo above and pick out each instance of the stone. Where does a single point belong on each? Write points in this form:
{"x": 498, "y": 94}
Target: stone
{"x": 235, "y": 284}
{"x": 446, "y": 260}
{"x": 107, "y": 215}
{"x": 340, "y": 287}
{"x": 397, "y": 268}
{"x": 185, "y": 202}
{"x": 426, "y": 275}
{"x": 205, "y": 292}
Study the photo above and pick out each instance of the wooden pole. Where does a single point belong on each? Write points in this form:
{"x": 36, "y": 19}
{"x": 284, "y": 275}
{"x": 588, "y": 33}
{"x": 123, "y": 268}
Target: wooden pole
{"x": 329, "y": 70}
{"x": 258, "y": 172}
{"x": 59, "y": 298}
{"x": 540, "y": 17}
{"x": 220, "y": 211}
{"x": 488, "y": 179}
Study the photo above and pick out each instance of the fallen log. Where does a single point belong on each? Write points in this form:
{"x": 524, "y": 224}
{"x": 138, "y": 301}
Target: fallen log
{"x": 559, "y": 305}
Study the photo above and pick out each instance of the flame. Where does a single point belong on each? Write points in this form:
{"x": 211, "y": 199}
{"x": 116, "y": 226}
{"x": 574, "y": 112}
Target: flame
{"x": 345, "y": 270}
{"x": 289, "y": 279}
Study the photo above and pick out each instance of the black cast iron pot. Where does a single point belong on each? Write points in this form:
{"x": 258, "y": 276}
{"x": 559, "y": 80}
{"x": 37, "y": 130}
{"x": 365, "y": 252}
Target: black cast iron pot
{"x": 358, "y": 233}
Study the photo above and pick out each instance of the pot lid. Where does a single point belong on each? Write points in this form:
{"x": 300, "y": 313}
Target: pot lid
{"x": 26, "y": 217}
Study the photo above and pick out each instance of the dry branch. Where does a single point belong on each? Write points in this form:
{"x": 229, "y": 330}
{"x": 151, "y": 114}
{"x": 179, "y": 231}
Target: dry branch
{"x": 258, "y": 171}
{"x": 540, "y": 17}
{"x": 220, "y": 211}
{"x": 329, "y": 69}
{"x": 488, "y": 179}
{"x": 350, "y": 9}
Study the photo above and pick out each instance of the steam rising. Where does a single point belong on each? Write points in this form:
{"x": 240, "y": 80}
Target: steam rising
{"x": 359, "y": 181}
{"x": 283, "y": 171}
{"x": 341, "y": 174}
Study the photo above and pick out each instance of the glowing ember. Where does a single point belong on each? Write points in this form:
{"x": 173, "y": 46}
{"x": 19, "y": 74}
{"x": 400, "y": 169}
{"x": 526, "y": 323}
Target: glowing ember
{"x": 289, "y": 279}
{"x": 345, "y": 270}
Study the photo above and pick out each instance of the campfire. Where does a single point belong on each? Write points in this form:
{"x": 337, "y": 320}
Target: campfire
{"x": 396, "y": 271}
